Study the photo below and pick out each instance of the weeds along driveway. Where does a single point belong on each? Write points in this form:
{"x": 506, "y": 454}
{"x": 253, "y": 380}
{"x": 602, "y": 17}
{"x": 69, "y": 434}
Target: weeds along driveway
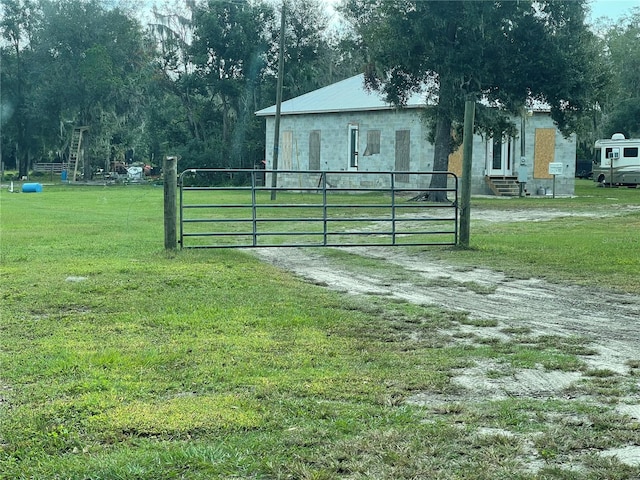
{"x": 496, "y": 305}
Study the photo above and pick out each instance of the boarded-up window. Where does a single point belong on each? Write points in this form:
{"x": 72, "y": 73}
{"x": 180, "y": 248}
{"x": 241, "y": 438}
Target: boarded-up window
{"x": 286, "y": 150}
{"x": 373, "y": 143}
{"x": 314, "y": 150}
{"x": 403, "y": 154}
{"x": 455, "y": 161}
{"x": 544, "y": 152}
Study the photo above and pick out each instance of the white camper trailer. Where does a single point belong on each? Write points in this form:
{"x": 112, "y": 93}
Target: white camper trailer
{"x": 617, "y": 161}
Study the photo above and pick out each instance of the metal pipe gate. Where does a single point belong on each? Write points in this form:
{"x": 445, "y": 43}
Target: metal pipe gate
{"x": 313, "y": 209}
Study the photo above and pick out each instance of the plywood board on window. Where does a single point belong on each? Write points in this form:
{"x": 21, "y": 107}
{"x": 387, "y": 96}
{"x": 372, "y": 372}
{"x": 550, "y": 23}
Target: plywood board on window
{"x": 314, "y": 150}
{"x": 286, "y": 151}
{"x": 373, "y": 143}
{"x": 403, "y": 154}
{"x": 455, "y": 162}
{"x": 544, "y": 152}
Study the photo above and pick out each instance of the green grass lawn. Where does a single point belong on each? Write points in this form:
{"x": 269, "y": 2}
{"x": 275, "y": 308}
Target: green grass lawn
{"x": 121, "y": 361}
{"x": 602, "y": 251}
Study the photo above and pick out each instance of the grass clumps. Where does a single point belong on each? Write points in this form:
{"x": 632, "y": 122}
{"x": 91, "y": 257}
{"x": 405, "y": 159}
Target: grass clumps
{"x": 118, "y": 360}
{"x": 180, "y": 417}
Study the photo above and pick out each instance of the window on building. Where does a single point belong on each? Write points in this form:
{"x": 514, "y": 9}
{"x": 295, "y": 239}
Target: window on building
{"x": 403, "y": 154}
{"x": 286, "y": 151}
{"x": 353, "y": 146}
{"x": 373, "y": 143}
{"x": 314, "y": 150}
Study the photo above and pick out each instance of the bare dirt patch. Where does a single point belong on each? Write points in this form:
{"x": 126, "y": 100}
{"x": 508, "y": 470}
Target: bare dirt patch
{"x": 609, "y": 322}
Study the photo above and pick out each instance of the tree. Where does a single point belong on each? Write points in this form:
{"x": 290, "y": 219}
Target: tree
{"x": 20, "y": 24}
{"x": 176, "y": 113}
{"x": 217, "y": 66}
{"x": 228, "y": 54}
{"x": 72, "y": 63}
{"x": 307, "y": 51}
{"x": 97, "y": 58}
{"x": 623, "y": 48}
{"x": 504, "y": 52}
{"x": 314, "y": 55}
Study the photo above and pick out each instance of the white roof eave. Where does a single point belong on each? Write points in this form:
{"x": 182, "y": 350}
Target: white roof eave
{"x": 270, "y": 112}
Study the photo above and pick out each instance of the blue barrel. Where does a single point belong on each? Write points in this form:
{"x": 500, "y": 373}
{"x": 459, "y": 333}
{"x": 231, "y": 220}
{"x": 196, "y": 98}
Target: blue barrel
{"x": 31, "y": 188}
{"x": 63, "y": 175}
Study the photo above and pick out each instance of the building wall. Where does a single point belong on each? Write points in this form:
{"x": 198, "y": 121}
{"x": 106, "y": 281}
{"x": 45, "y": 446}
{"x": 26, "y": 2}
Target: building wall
{"x": 334, "y": 135}
{"x": 543, "y": 144}
{"x": 540, "y": 135}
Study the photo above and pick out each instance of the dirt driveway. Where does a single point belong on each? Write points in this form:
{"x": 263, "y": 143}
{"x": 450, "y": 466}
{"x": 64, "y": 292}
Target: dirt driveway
{"x": 609, "y": 320}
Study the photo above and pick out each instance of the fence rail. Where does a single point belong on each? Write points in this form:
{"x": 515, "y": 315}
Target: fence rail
{"x": 313, "y": 209}
{"x": 48, "y": 167}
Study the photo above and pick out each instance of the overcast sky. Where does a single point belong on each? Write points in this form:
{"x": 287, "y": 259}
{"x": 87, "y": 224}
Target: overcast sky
{"x": 614, "y": 9}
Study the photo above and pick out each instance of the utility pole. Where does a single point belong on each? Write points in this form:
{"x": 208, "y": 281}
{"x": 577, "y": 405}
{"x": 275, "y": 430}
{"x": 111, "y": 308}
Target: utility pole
{"x": 276, "y": 134}
{"x": 467, "y": 162}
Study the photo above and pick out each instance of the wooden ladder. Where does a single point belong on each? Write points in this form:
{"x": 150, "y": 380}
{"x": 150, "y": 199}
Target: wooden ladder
{"x": 75, "y": 150}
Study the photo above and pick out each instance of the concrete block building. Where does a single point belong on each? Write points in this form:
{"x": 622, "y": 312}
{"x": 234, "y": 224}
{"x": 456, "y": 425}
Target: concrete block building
{"x": 345, "y": 127}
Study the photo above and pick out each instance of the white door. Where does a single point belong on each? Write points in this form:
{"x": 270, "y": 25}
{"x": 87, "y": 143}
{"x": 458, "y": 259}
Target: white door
{"x": 500, "y": 155}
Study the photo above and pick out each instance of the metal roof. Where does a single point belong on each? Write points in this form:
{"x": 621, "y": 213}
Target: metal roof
{"x": 349, "y": 95}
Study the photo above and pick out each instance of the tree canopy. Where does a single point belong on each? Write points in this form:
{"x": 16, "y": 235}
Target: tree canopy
{"x": 72, "y": 63}
{"x": 186, "y": 78}
{"x": 186, "y": 84}
{"x": 622, "y": 110}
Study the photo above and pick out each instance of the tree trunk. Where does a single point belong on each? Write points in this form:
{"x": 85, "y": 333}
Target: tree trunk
{"x": 441, "y": 152}
{"x": 87, "y": 172}
{"x": 23, "y": 158}
{"x": 225, "y": 122}
{"x": 442, "y": 144}
{"x": 29, "y": 161}
{"x": 193, "y": 122}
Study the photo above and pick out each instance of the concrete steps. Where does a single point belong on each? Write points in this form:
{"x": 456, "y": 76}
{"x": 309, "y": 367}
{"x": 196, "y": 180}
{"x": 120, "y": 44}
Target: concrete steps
{"x": 503, "y": 186}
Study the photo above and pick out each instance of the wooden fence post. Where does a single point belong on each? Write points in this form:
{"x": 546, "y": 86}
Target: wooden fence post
{"x": 170, "y": 172}
{"x": 467, "y": 161}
